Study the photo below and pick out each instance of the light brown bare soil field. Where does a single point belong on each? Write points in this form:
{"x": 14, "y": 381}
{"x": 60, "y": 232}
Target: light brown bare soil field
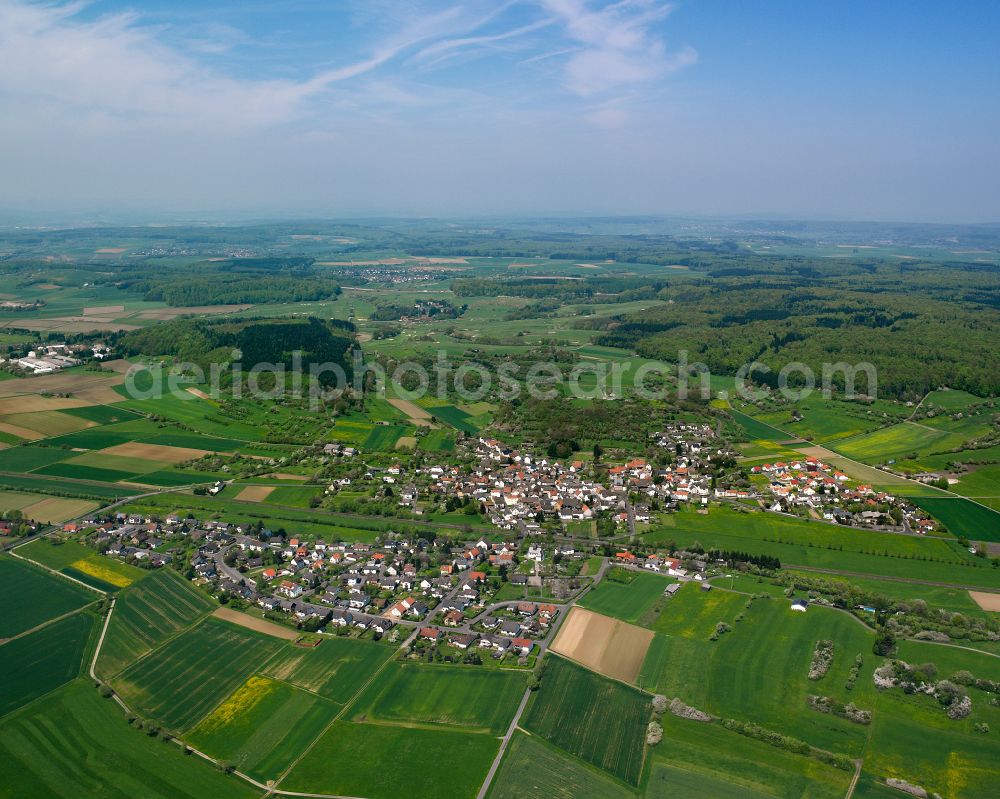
{"x": 72, "y": 324}
{"x": 608, "y": 646}
{"x": 104, "y": 310}
{"x": 406, "y": 442}
{"x": 20, "y": 432}
{"x": 162, "y": 314}
{"x": 118, "y": 366}
{"x": 48, "y": 423}
{"x": 56, "y": 510}
{"x": 258, "y": 625}
{"x": 417, "y": 415}
{"x": 986, "y": 601}
{"x": 155, "y": 452}
{"x": 255, "y": 493}
{"x": 60, "y": 383}
{"x": 197, "y": 392}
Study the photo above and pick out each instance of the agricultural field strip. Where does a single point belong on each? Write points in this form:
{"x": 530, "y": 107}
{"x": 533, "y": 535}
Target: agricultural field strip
{"x": 48, "y": 622}
{"x": 53, "y": 571}
{"x": 211, "y": 708}
{"x": 121, "y": 703}
{"x": 307, "y": 749}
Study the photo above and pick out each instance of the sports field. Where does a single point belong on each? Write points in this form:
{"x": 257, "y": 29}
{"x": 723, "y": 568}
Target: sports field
{"x": 471, "y": 699}
{"x": 608, "y": 646}
{"x": 145, "y": 615}
{"x": 73, "y": 743}
{"x": 262, "y": 726}
{"x": 336, "y": 669}
{"x": 182, "y": 681}
{"x": 30, "y": 596}
{"x": 573, "y": 709}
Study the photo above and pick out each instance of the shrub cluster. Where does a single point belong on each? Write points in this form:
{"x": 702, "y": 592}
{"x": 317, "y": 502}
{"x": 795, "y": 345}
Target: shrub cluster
{"x": 821, "y": 660}
{"x": 850, "y": 711}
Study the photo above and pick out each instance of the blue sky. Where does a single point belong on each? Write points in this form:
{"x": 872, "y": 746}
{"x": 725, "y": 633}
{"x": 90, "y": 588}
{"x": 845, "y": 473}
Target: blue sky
{"x": 847, "y": 110}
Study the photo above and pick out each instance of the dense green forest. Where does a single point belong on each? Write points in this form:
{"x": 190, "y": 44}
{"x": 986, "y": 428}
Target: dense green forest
{"x": 235, "y": 281}
{"x": 921, "y": 326}
{"x": 207, "y": 341}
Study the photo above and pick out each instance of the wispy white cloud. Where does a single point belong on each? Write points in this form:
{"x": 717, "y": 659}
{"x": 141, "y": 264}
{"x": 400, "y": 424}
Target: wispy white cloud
{"x": 115, "y": 67}
{"x": 439, "y": 50}
{"x": 617, "y": 44}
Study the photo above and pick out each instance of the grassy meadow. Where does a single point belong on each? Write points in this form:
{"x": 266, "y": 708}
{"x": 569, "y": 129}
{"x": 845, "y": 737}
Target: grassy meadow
{"x": 570, "y": 709}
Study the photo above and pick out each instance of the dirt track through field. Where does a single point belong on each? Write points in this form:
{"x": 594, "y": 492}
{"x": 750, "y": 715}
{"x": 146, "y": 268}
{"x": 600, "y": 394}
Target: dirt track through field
{"x": 608, "y": 646}
{"x": 986, "y": 601}
{"x": 258, "y": 625}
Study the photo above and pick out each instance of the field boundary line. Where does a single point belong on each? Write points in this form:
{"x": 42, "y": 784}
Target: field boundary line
{"x": 306, "y": 750}
{"x": 502, "y": 751}
{"x": 48, "y": 622}
{"x": 256, "y": 671}
{"x": 895, "y": 579}
{"x": 53, "y": 571}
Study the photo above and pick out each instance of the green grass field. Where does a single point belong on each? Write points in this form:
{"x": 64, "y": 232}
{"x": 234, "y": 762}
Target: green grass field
{"x": 627, "y": 601}
{"x": 472, "y": 699}
{"x": 963, "y": 517}
{"x": 82, "y": 563}
{"x": 573, "y": 709}
{"x": 897, "y": 441}
{"x": 383, "y": 438}
{"x": 63, "y": 487}
{"x": 336, "y": 669}
{"x": 182, "y": 681}
{"x": 262, "y": 727}
{"x": 419, "y": 764}
{"x": 73, "y": 743}
{"x": 912, "y": 739}
{"x": 78, "y": 471}
{"x": 759, "y": 672}
{"x": 693, "y": 613}
{"x": 42, "y": 661}
{"x": 30, "y": 596}
{"x": 28, "y": 458}
{"x": 103, "y": 414}
{"x": 439, "y": 440}
{"x": 698, "y": 759}
{"x": 454, "y": 417}
{"x": 983, "y": 482}
{"x": 823, "y": 546}
{"x": 145, "y": 615}
{"x": 950, "y": 400}
{"x": 757, "y": 430}
{"x": 534, "y": 769}
{"x": 295, "y": 496}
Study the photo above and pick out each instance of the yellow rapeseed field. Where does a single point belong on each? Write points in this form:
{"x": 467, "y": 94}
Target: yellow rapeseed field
{"x": 242, "y": 700}
{"x": 101, "y": 572}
